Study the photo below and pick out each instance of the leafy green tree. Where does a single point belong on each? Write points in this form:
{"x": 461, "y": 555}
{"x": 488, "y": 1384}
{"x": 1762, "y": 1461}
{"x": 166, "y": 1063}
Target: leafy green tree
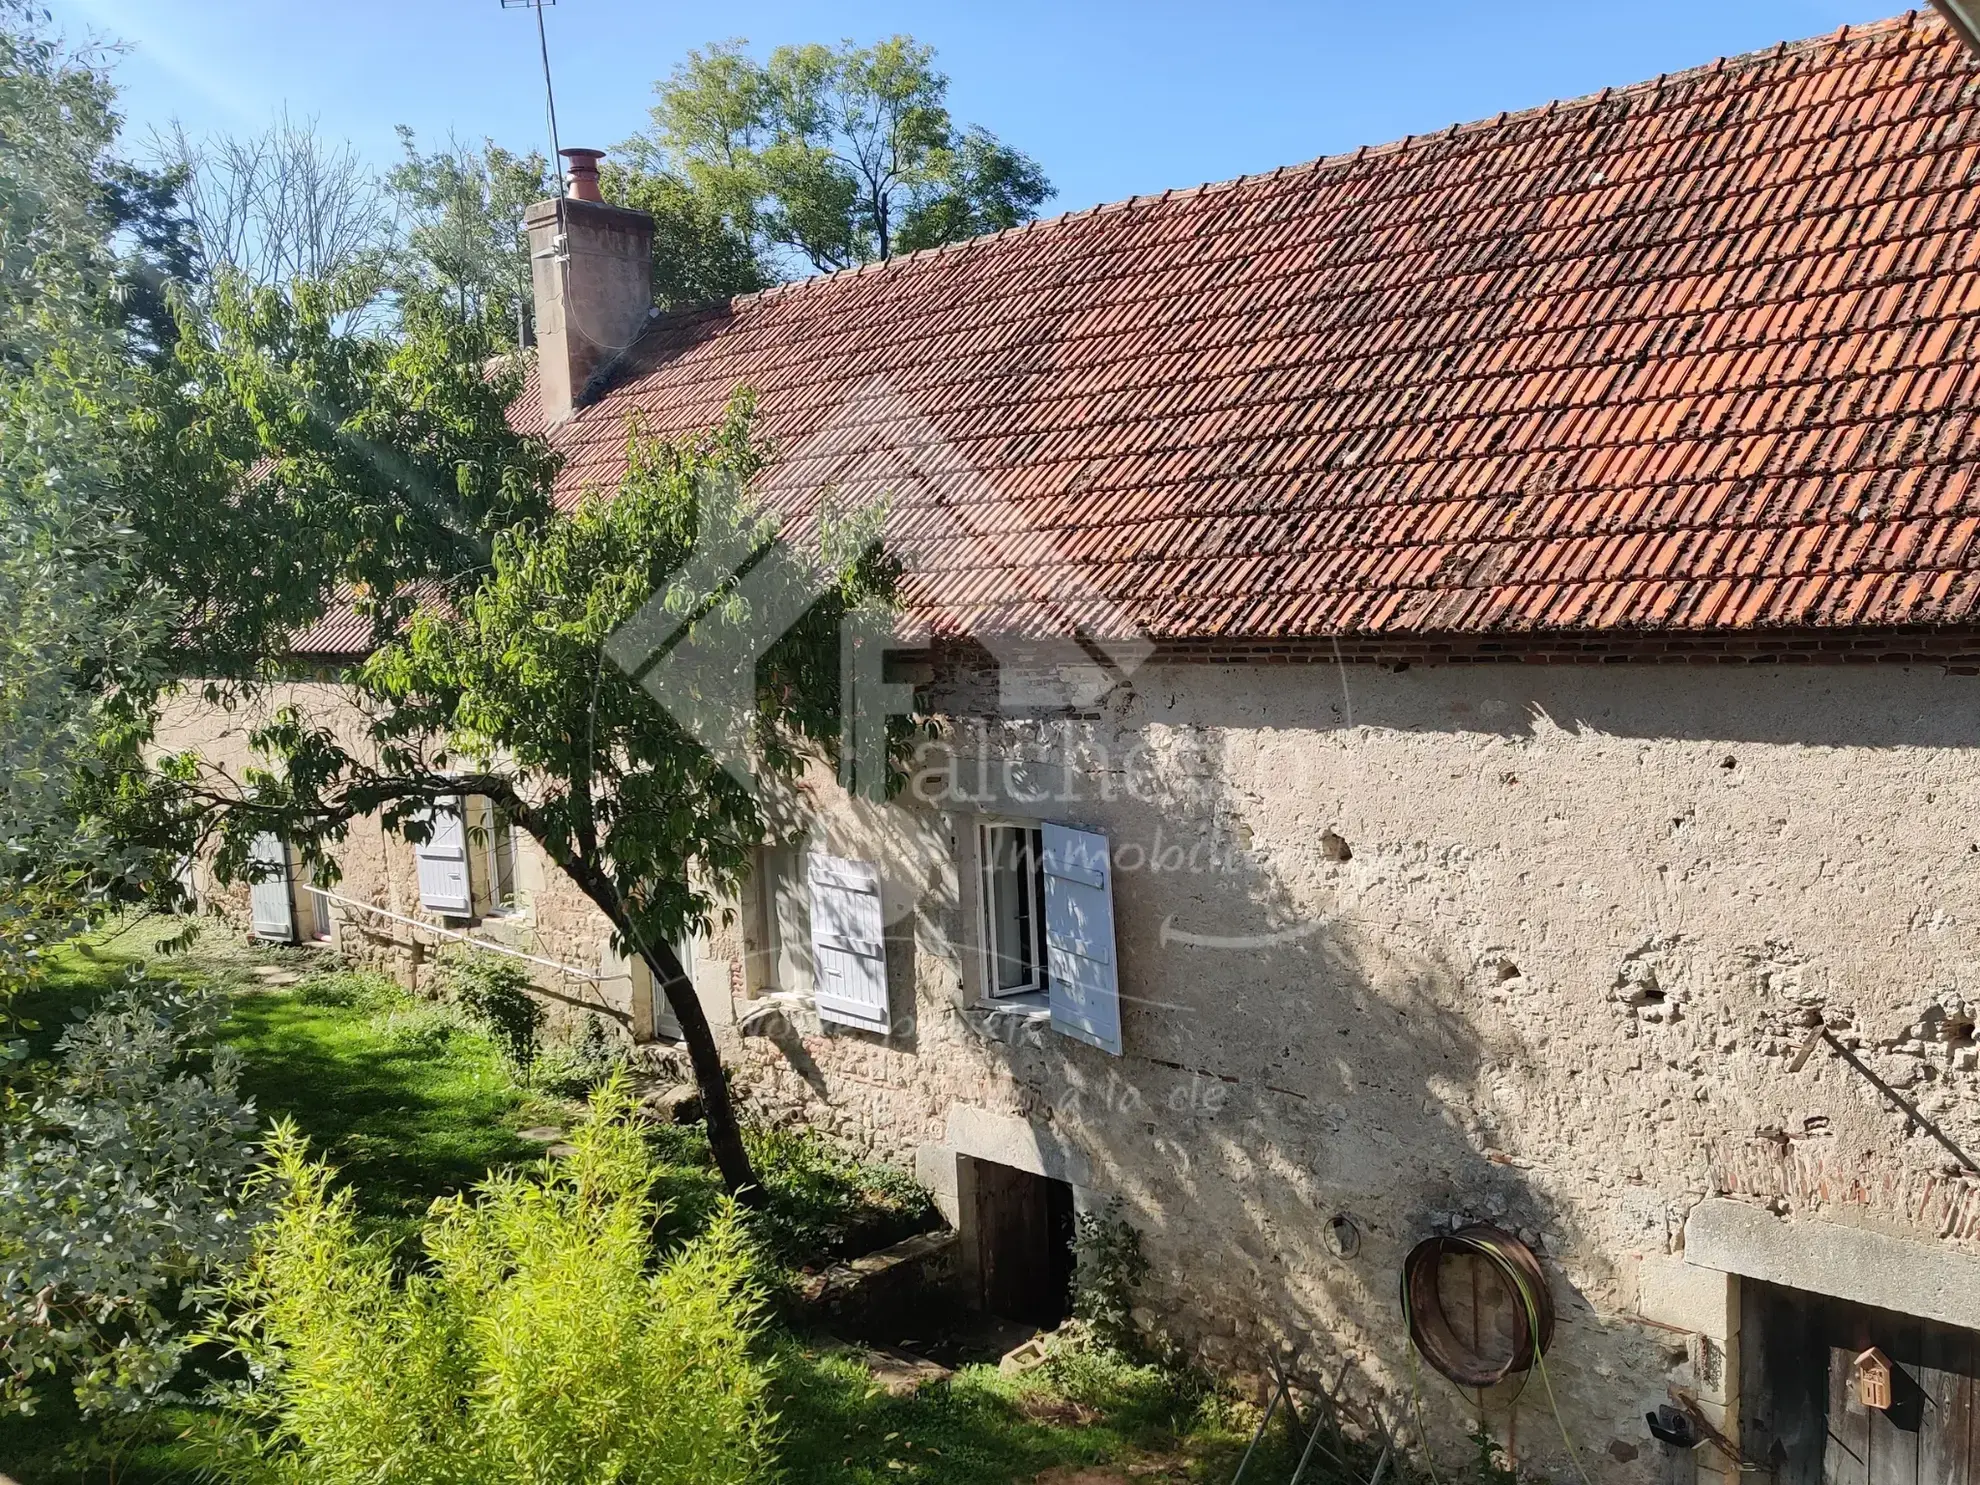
{"x": 82, "y": 621}
{"x": 464, "y": 239}
{"x": 838, "y": 156}
{"x": 161, "y": 256}
{"x": 311, "y": 467}
{"x": 120, "y": 1164}
{"x": 699, "y": 257}
{"x": 294, "y": 464}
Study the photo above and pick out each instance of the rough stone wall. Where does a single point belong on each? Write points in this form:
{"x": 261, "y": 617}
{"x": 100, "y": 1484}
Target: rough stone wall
{"x": 1522, "y": 944}
{"x": 1526, "y": 944}
{"x": 555, "y": 923}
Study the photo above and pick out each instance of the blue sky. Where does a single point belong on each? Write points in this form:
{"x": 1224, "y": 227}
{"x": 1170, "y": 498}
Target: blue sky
{"x": 1114, "y": 98}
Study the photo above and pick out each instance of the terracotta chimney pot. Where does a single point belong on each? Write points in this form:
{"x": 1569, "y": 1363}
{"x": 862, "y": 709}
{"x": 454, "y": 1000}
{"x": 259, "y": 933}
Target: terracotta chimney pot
{"x": 584, "y": 173}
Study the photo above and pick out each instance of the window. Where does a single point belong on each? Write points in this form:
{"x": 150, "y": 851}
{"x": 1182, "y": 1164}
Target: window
{"x": 653, "y": 1016}
{"x": 501, "y": 862}
{"x": 314, "y": 919}
{"x": 1048, "y": 926}
{"x": 1013, "y": 916}
{"x": 783, "y": 896}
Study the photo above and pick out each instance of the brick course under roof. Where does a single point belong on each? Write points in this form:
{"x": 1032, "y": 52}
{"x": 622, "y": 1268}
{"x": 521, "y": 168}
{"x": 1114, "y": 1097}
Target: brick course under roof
{"x": 1700, "y": 355}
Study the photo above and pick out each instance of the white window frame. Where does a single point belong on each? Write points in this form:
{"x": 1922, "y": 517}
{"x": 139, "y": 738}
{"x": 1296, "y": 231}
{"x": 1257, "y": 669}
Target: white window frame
{"x": 653, "y": 1013}
{"x": 501, "y": 839}
{"x": 988, "y": 951}
{"x": 1078, "y": 972}
{"x": 783, "y": 878}
{"x": 315, "y": 924}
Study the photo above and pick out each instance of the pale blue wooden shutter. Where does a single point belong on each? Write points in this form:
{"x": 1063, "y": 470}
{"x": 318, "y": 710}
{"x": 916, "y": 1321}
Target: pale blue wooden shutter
{"x": 273, "y": 906}
{"x": 443, "y": 862}
{"x": 848, "y": 942}
{"x": 1083, "y": 979}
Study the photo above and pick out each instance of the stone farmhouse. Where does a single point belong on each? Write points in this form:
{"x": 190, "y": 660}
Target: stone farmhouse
{"x": 1459, "y": 675}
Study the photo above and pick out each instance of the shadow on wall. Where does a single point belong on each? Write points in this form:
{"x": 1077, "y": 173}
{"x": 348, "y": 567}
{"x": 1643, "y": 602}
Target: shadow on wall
{"x": 1286, "y": 1065}
{"x": 1827, "y": 706}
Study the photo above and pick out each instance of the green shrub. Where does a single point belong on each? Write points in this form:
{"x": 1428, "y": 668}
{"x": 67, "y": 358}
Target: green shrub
{"x": 120, "y": 1189}
{"x": 360, "y": 989}
{"x": 573, "y": 1069}
{"x": 822, "y": 1204}
{"x": 537, "y": 1345}
{"x": 496, "y": 992}
{"x": 1108, "y": 1267}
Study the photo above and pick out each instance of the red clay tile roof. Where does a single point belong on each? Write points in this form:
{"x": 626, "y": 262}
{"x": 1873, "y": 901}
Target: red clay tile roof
{"x": 341, "y": 632}
{"x": 1694, "y": 355}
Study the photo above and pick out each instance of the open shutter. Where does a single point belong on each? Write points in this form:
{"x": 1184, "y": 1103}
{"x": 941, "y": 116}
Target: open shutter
{"x": 848, "y": 942}
{"x": 443, "y": 863}
{"x": 1083, "y": 979}
{"x": 273, "y": 905}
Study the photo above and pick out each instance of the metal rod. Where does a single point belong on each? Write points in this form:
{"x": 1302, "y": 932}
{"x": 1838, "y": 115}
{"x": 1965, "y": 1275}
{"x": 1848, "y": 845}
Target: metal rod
{"x": 1312, "y": 1443}
{"x": 466, "y": 938}
{"x": 549, "y": 98}
{"x": 1910, "y": 1109}
{"x": 1263, "y": 1424}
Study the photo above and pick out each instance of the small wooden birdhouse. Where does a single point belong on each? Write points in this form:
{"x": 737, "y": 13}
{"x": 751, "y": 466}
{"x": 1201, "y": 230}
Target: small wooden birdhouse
{"x": 1873, "y": 1379}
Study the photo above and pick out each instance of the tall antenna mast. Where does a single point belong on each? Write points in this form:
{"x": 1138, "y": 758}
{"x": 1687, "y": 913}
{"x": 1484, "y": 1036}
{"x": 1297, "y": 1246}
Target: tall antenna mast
{"x": 549, "y": 92}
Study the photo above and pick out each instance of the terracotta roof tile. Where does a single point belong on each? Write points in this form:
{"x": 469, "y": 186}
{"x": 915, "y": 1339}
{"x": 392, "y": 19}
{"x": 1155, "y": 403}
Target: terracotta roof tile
{"x": 1701, "y": 353}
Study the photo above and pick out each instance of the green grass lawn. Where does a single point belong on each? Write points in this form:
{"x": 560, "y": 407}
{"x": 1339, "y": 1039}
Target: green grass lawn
{"x": 411, "y": 1103}
{"x": 407, "y": 1107}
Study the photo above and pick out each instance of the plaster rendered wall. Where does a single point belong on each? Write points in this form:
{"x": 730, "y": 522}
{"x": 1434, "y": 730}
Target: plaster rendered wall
{"x": 1517, "y": 943}
{"x": 555, "y": 922}
{"x": 1524, "y": 944}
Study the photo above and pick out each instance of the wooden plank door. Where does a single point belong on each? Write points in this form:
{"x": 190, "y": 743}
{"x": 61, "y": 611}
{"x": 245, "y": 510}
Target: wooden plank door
{"x": 1024, "y": 1243}
{"x": 1013, "y": 1223}
{"x": 1801, "y": 1421}
{"x": 1949, "y": 1442}
{"x": 1925, "y": 1437}
{"x": 1784, "y": 1384}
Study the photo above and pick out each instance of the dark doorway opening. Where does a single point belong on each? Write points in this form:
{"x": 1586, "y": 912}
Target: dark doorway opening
{"x": 1802, "y": 1409}
{"x": 1024, "y": 1243}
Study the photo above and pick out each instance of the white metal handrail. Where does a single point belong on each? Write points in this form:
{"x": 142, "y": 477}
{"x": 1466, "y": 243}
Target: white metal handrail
{"x": 493, "y": 946}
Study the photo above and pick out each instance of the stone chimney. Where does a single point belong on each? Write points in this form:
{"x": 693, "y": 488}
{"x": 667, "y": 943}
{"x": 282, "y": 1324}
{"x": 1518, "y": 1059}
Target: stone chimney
{"x": 591, "y": 269}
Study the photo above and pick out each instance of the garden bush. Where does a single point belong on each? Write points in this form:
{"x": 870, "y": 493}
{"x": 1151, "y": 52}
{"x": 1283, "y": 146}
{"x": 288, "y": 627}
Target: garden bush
{"x": 820, "y": 1204}
{"x": 120, "y": 1191}
{"x": 1108, "y": 1267}
{"x": 574, "y": 1068}
{"x": 539, "y": 1342}
{"x": 496, "y": 992}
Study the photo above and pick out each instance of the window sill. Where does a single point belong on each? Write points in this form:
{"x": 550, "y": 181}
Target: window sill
{"x": 761, "y": 1006}
{"x": 1034, "y": 1006}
